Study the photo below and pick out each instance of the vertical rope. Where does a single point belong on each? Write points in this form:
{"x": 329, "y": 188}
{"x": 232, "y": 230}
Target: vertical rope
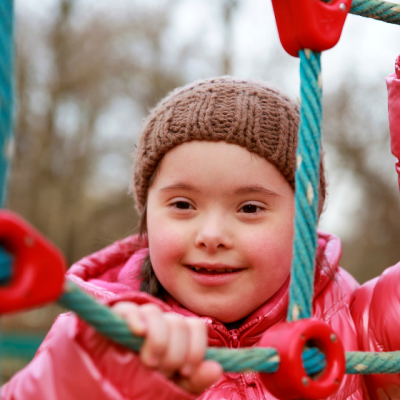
{"x": 6, "y": 92}
{"x": 307, "y": 183}
{"x": 6, "y": 112}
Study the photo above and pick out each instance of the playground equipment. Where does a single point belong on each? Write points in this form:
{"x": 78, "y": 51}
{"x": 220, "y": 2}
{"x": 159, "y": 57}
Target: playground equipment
{"x": 306, "y": 28}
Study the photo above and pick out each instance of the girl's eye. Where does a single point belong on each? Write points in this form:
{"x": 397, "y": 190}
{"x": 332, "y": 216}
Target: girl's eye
{"x": 250, "y": 209}
{"x": 182, "y": 205}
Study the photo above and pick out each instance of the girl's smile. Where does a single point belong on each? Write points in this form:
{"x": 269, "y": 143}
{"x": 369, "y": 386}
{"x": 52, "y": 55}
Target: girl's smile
{"x": 214, "y": 274}
{"x": 220, "y": 228}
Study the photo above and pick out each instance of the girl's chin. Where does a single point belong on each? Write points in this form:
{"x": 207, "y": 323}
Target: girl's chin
{"x": 224, "y": 310}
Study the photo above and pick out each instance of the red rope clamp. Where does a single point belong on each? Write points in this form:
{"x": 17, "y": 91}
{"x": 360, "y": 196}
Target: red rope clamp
{"x": 310, "y": 24}
{"x": 38, "y": 267}
{"x": 291, "y": 380}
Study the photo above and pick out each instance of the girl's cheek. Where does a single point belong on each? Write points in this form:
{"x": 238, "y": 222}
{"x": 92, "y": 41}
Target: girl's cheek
{"x": 167, "y": 250}
{"x": 274, "y": 250}
{"x": 167, "y": 243}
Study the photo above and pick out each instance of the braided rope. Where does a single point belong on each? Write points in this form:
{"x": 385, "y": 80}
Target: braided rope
{"x": 307, "y": 183}
{"x": 116, "y": 329}
{"x": 256, "y": 359}
{"x": 6, "y": 112}
{"x": 6, "y": 92}
{"x": 376, "y": 9}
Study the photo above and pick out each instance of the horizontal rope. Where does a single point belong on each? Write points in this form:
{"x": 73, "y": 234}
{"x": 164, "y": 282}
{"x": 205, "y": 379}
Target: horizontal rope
{"x": 376, "y": 9}
{"x": 256, "y": 359}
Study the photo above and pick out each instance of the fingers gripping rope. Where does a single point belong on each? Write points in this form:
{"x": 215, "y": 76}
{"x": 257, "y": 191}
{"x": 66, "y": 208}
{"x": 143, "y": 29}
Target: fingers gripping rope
{"x": 242, "y": 360}
{"x": 115, "y": 328}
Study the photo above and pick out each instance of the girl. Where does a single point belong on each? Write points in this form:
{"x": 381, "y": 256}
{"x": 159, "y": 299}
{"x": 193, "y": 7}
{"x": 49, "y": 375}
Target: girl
{"x": 214, "y": 185}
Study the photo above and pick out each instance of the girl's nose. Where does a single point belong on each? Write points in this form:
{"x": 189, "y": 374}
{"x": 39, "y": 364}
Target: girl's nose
{"x": 214, "y": 234}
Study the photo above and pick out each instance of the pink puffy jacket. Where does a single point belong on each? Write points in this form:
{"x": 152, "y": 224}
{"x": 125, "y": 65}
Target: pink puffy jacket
{"x": 74, "y": 362}
{"x": 393, "y": 85}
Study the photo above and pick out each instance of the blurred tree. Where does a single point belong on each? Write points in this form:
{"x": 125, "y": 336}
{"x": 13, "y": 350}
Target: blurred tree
{"x": 84, "y": 82}
{"x": 229, "y": 8}
{"x": 71, "y": 77}
{"x": 356, "y": 132}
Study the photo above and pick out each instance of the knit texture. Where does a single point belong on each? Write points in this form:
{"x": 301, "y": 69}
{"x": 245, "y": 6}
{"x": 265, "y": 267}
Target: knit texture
{"x": 244, "y": 112}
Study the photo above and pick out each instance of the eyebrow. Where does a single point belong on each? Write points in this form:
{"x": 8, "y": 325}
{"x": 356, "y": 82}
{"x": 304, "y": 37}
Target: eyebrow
{"x": 255, "y": 189}
{"x": 179, "y": 186}
{"x": 241, "y": 190}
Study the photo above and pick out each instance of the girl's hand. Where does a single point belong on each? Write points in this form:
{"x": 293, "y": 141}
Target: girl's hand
{"x": 173, "y": 345}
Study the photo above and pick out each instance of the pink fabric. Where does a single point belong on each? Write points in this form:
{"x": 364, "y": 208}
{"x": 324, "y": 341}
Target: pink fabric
{"x": 393, "y": 85}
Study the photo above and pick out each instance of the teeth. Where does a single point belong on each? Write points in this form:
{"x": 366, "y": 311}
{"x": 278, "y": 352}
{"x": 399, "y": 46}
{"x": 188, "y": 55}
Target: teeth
{"x": 220, "y": 270}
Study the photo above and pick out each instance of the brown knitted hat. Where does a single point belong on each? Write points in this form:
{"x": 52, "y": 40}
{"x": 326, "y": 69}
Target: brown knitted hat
{"x": 244, "y": 112}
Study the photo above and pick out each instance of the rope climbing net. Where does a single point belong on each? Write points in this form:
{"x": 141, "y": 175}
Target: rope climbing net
{"x": 265, "y": 360}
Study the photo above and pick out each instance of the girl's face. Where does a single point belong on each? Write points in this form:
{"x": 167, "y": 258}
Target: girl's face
{"x": 220, "y": 228}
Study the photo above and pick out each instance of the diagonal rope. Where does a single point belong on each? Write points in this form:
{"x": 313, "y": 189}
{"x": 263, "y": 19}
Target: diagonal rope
{"x": 255, "y": 359}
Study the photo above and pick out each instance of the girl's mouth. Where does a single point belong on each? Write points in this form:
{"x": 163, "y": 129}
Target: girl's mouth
{"x": 214, "y": 271}
{"x": 213, "y": 275}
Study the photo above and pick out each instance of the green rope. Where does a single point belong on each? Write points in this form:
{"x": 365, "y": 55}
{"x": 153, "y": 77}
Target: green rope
{"x": 376, "y": 9}
{"x": 255, "y": 359}
{"x": 6, "y": 113}
{"x": 358, "y": 362}
{"x": 307, "y": 184}
{"x": 6, "y": 92}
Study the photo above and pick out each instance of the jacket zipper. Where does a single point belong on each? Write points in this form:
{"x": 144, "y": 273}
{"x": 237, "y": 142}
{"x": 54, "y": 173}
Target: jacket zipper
{"x": 252, "y": 387}
{"x": 249, "y": 382}
{"x": 234, "y": 342}
{"x": 232, "y": 337}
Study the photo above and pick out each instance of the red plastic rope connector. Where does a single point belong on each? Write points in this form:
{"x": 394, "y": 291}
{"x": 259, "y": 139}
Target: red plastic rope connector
{"x": 310, "y": 24}
{"x": 38, "y": 266}
{"x": 291, "y": 380}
